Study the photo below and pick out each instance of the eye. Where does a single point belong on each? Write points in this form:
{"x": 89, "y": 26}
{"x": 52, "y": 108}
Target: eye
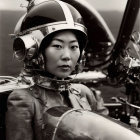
{"x": 74, "y": 47}
{"x": 57, "y": 46}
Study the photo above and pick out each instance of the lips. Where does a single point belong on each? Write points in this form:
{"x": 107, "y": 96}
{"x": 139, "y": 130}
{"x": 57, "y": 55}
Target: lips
{"x": 65, "y": 67}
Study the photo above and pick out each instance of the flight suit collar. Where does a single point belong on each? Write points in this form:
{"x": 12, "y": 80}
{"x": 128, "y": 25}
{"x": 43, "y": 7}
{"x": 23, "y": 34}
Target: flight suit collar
{"x": 52, "y": 84}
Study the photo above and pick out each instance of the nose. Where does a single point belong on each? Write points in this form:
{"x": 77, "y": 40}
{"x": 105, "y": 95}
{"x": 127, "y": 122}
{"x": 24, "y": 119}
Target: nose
{"x": 66, "y": 55}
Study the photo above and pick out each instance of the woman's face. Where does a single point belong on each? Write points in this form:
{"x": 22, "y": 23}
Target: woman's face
{"x": 62, "y": 54}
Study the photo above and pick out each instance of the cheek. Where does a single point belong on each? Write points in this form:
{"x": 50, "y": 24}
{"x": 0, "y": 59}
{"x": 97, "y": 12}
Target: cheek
{"x": 51, "y": 58}
{"x": 75, "y": 57}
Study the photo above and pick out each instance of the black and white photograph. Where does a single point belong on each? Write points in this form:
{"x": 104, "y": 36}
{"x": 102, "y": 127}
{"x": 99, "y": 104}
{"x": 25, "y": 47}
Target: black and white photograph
{"x": 69, "y": 69}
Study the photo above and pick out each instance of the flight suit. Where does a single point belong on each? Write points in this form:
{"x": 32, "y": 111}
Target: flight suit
{"x": 26, "y": 106}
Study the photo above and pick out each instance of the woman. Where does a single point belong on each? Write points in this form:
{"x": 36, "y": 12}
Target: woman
{"x": 50, "y": 39}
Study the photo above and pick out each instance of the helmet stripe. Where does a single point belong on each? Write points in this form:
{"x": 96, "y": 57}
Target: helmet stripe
{"x": 67, "y": 13}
